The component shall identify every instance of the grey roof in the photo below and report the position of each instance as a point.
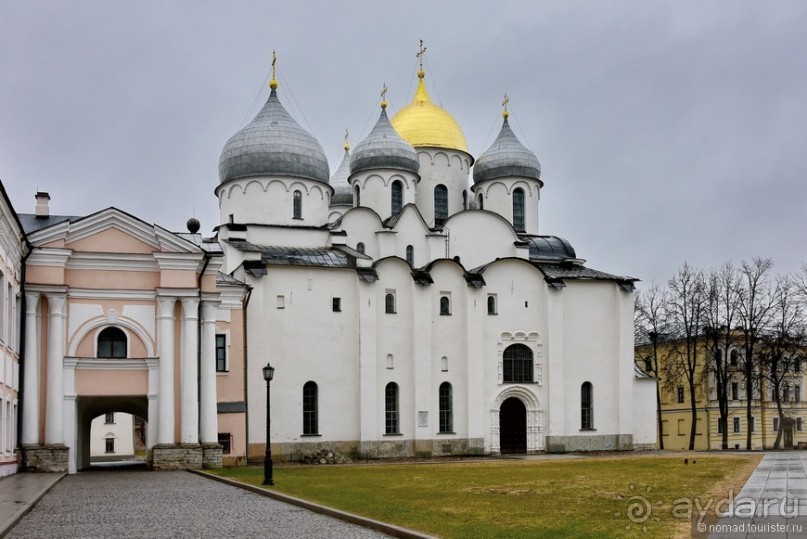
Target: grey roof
(31, 222)
(223, 278)
(342, 193)
(273, 143)
(542, 247)
(576, 271)
(208, 245)
(293, 256)
(506, 157)
(639, 373)
(384, 148)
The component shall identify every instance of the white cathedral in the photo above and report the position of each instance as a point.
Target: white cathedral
(408, 304)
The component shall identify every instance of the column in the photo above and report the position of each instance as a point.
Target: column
(165, 318)
(189, 427)
(30, 384)
(153, 402)
(54, 416)
(207, 406)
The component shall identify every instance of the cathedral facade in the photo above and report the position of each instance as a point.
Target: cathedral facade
(408, 304)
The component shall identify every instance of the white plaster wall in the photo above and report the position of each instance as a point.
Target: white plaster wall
(644, 412)
(121, 430)
(497, 196)
(269, 200)
(479, 237)
(361, 225)
(376, 189)
(442, 166)
(411, 230)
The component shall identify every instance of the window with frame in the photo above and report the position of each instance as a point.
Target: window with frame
(410, 255)
(298, 204)
(735, 391)
(736, 425)
(112, 343)
(753, 424)
(389, 303)
(648, 364)
(480, 205)
(797, 393)
(226, 442)
(392, 422)
(440, 204)
(680, 394)
(785, 393)
(109, 418)
(109, 445)
(357, 195)
(336, 304)
(492, 304)
(396, 194)
(517, 364)
(720, 425)
(445, 305)
(798, 424)
(775, 424)
(310, 408)
(586, 406)
(221, 353)
(446, 408)
(518, 210)
(360, 247)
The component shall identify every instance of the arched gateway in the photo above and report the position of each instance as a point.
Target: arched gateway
(517, 422)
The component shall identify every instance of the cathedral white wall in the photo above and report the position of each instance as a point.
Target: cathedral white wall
(478, 238)
(376, 189)
(361, 225)
(411, 230)
(270, 200)
(497, 196)
(446, 167)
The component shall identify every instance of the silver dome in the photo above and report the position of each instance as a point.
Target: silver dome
(342, 193)
(273, 144)
(506, 157)
(384, 148)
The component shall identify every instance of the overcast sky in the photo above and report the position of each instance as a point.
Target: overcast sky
(666, 131)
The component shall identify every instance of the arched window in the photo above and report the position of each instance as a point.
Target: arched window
(392, 422)
(480, 205)
(733, 358)
(445, 305)
(112, 343)
(310, 408)
(518, 209)
(440, 204)
(397, 196)
(410, 255)
(464, 199)
(586, 407)
(389, 303)
(357, 195)
(360, 247)
(446, 408)
(298, 205)
(517, 363)
(491, 304)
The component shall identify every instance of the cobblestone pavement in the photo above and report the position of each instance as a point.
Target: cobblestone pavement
(124, 504)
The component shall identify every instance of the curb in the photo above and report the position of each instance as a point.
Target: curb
(377, 525)
(6, 526)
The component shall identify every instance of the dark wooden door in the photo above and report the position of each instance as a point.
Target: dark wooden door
(513, 426)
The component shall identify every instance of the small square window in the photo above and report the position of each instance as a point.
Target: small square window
(445, 304)
(337, 305)
(225, 441)
(110, 445)
(281, 302)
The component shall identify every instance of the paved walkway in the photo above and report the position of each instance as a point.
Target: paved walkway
(124, 504)
(772, 504)
(19, 492)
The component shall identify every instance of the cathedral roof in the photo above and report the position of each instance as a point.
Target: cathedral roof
(384, 148)
(341, 188)
(273, 143)
(423, 123)
(506, 157)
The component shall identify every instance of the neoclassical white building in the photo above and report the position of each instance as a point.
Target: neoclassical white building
(409, 305)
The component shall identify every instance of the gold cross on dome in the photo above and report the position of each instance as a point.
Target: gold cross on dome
(420, 54)
(347, 142)
(506, 102)
(384, 96)
(273, 82)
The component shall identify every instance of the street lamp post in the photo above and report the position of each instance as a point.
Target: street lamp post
(268, 374)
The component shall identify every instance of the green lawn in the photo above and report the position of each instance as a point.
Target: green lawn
(547, 498)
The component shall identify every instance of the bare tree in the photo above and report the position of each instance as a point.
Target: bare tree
(651, 319)
(780, 343)
(755, 301)
(686, 304)
(720, 313)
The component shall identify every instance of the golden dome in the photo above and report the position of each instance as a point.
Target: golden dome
(422, 123)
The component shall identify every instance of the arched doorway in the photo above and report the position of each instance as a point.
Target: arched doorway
(513, 426)
(89, 408)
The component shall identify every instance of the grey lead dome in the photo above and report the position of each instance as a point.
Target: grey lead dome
(384, 148)
(273, 144)
(341, 188)
(506, 157)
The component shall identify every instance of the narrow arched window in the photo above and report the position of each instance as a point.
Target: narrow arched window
(112, 343)
(357, 195)
(518, 209)
(391, 419)
(446, 408)
(517, 364)
(440, 204)
(491, 304)
(397, 196)
(445, 305)
(733, 358)
(298, 205)
(310, 408)
(389, 303)
(360, 247)
(464, 199)
(410, 255)
(480, 205)
(586, 406)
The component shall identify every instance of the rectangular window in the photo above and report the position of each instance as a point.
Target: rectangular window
(281, 302)
(392, 425)
(2, 308)
(221, 353)
(681, 427)
(226, 442)
(11, 329)
(797, 394)
(719, 426)
(110, 445)
(446, 408)
(753, 424)
(798, 424)
(680, 394)
(18, 310)
(110, 418)
(735, 391)
(775, 424)
(336, 304)
(736, 425)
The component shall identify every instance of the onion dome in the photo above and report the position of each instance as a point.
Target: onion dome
(423, 123)
(341, 188)
(507, 157)
(384, 148)
(273, 143)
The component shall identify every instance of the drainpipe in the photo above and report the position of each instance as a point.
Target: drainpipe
(21, 344)
(199, 341)
(245, 350)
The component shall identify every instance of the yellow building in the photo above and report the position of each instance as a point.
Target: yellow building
(676, 411)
